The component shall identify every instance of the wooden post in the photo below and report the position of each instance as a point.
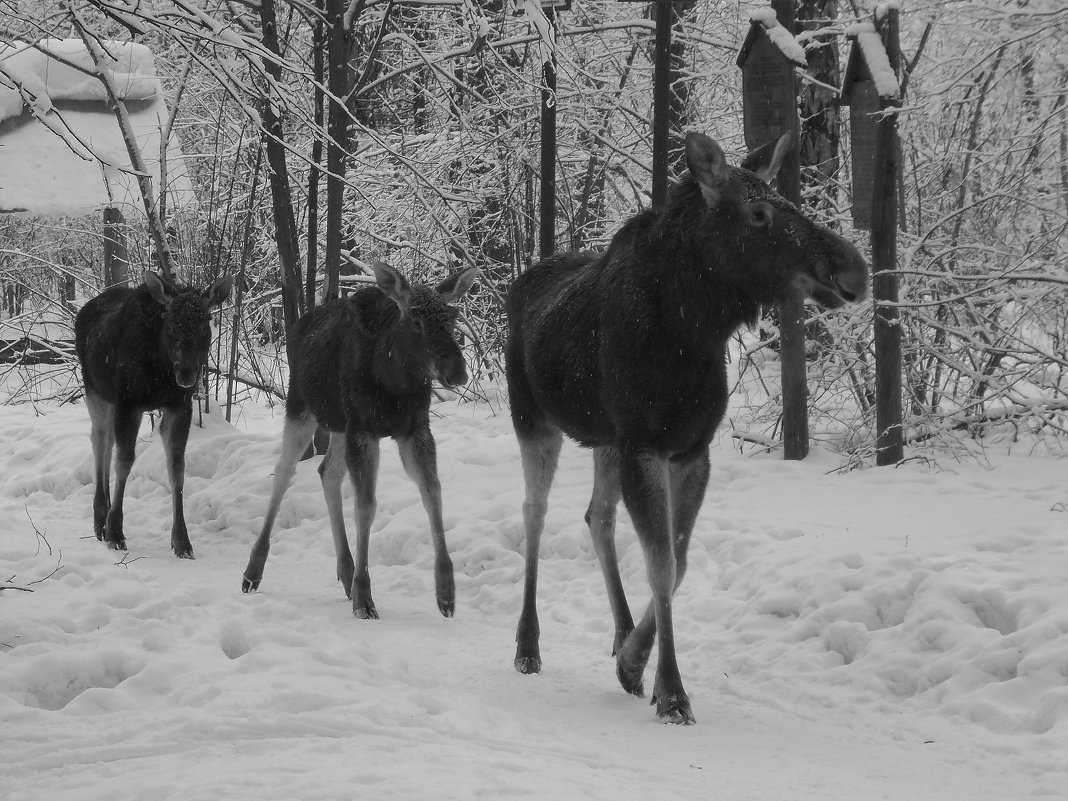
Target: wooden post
(769, 95)
(794, 369)
(890, 441)
(116, 257)
(661, 101)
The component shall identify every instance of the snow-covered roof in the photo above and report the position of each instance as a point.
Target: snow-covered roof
(870, 46)
(61, 150)
(766, 20)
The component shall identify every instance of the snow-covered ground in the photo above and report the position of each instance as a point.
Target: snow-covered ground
(876, 634)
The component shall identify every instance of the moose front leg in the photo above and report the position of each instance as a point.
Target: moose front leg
(688, 480)
(127, 423)
(418, 454)
(174, 431)
(361, 453)
(645, 479)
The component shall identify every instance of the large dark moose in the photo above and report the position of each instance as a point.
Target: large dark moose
(142, 349)
(362, 368)
(625, 352)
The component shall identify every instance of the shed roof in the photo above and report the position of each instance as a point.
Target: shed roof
(61, 151)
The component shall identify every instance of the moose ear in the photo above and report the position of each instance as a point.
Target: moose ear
(218, 291)
(766, 160)
(161, 290)
(456, 286)
(392, 283)
(707, 165)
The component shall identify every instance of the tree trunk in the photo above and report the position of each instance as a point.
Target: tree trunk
(820, 115)
(315, 173)
(339, 133)
(681, 86)
(285, 226)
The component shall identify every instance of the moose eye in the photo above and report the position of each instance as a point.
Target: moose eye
(761, 215)
(420, 326)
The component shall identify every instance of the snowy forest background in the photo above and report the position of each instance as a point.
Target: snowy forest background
(421, 148)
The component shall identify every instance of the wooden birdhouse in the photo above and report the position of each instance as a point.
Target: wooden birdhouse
(768, 57)
(868, 86)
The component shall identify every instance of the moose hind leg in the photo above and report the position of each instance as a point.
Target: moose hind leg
(174, 431)
(647, 495)
(601, 518)
(419, 456)
(540, 451)
(102, 436)
(297, 432)
(331, 471)
(361, 453)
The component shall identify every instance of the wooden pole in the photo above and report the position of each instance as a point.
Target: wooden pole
(116, 257)
(890, 441)
(794, 370)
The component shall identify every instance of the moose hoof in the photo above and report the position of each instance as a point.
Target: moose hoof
(447, 607)
(527, 664)
(630, 678)
(117, 545)
(365, 612)
(249, 585)
(673, 709)
(184, 553)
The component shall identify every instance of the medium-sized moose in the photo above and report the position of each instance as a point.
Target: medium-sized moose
(625, 352)
(362, 368)
(142, 349)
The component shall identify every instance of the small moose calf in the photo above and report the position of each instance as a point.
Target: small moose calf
(142, 349)
(362, 369)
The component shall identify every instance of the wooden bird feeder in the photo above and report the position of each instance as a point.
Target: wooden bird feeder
(769, 94)
(865, 100)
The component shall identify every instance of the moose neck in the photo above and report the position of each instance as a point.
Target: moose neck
(702, 300)
(394, 366)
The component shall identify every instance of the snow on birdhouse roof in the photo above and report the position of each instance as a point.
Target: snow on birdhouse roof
(869, 44)
(765, 20)
(61, 149)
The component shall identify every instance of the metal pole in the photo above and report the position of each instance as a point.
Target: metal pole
(547, 227)
(665, 14)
